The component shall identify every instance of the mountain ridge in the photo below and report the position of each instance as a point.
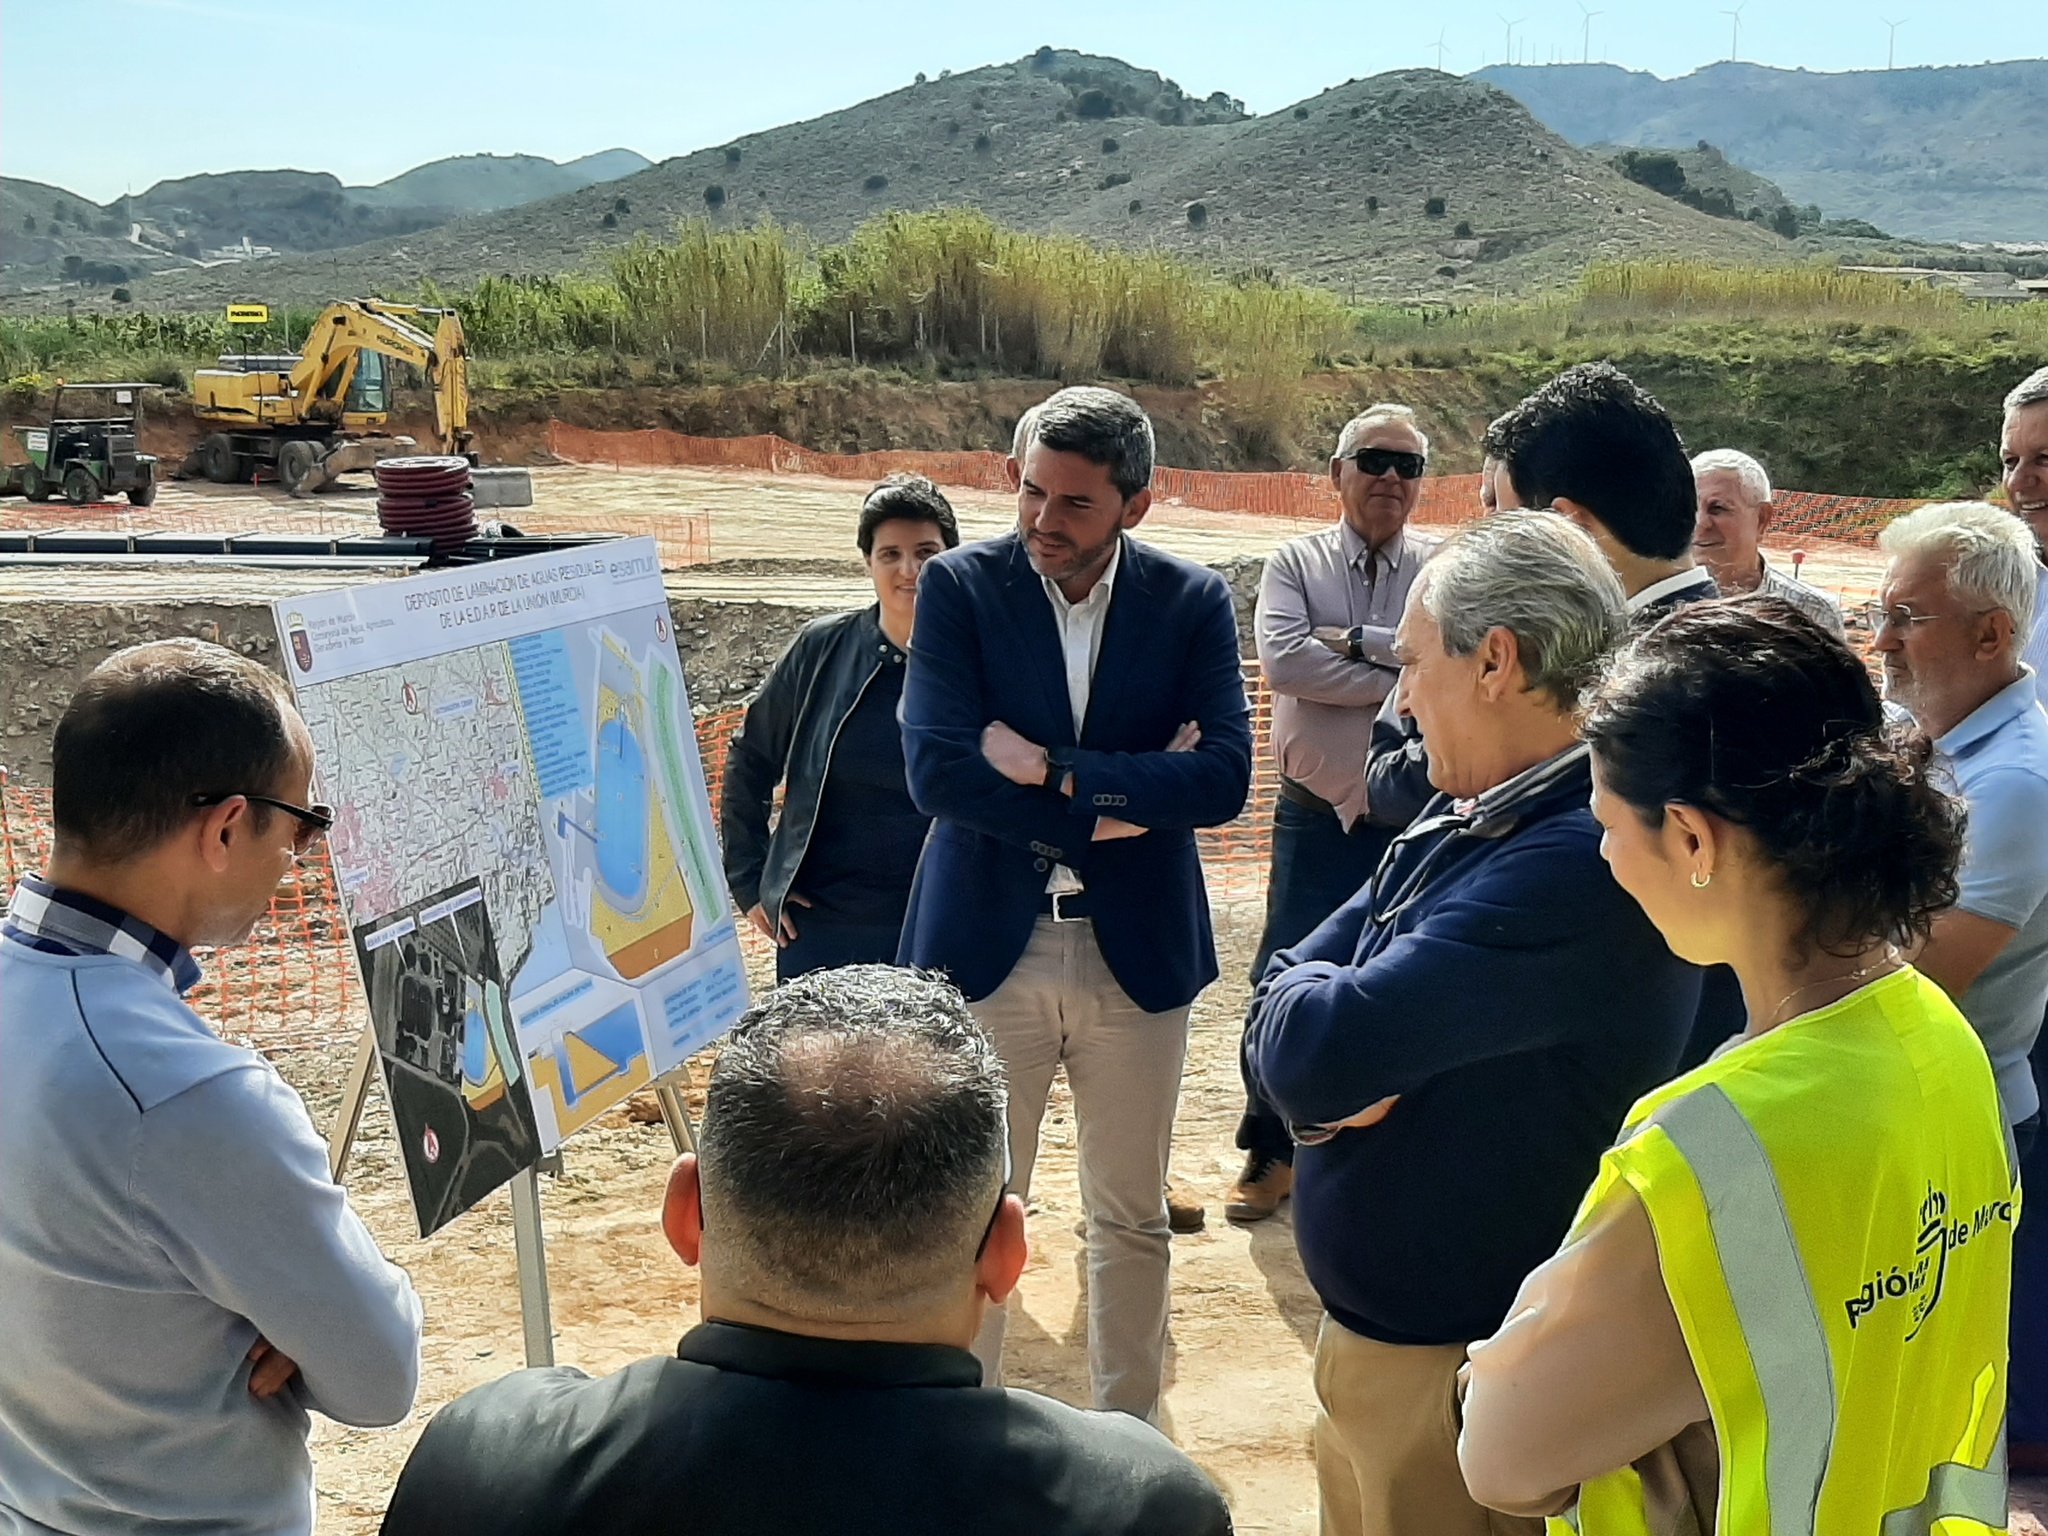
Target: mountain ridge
(1949, 152)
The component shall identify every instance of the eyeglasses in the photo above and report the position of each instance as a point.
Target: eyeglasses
(1377, 461)
(314, 820)
(1899, 616)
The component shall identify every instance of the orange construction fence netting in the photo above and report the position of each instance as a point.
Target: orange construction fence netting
(293, 985)
(1446, 499)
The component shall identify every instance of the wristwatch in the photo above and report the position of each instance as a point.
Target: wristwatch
(1354, 640)
(1059, 762)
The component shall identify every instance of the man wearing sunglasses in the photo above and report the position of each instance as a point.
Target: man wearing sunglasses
(181, 1282)
(1328, 604)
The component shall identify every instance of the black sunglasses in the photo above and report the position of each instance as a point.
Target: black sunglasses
(314, 820)
(1377, 461)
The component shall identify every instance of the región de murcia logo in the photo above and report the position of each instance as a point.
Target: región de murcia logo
(1919, 1282)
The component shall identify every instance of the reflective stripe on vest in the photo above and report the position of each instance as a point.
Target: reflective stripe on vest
(1760, 1261)
(1956, 1492)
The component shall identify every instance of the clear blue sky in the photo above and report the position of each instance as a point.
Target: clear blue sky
(106, 96)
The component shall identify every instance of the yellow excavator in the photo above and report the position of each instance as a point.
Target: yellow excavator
(320, 414)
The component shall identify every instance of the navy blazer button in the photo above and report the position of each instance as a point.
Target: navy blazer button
(1040, 865)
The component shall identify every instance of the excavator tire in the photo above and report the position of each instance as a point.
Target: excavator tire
(297, 463)
(217, 459)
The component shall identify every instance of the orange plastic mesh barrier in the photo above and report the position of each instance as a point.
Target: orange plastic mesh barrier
(1446, 499)
(293, 985)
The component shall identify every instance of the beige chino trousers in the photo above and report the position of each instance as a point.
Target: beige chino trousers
(1387, 1441)
(1061, 1005)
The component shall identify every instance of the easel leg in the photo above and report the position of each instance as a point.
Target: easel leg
(534, 1317)
(341, 1139)
(675, 1114)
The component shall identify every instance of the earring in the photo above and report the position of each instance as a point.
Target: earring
(1700, 882)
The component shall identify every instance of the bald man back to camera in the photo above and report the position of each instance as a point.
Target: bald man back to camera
(848, 1213)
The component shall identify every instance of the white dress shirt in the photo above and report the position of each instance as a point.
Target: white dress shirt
(1080, 626)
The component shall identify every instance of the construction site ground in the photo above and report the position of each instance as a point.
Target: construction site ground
(1238, 1397)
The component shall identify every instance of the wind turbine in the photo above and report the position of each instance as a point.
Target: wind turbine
(1586, 32)
(1509, 55)
(1735, 30)
(1438, 45)
(1891, 42)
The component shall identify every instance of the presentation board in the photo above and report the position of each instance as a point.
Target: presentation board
(509, 752)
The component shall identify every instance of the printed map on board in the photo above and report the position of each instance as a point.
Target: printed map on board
(546, 753)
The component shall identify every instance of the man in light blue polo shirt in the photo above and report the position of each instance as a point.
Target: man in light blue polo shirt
(180, 1280)
(1955, 609)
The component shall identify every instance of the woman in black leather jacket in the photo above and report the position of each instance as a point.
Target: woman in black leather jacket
(829, 878)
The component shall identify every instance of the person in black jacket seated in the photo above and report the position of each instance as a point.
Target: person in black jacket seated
(847, 1209)
(829, 880)
(1458, 1044)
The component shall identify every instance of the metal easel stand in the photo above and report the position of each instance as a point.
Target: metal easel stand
(528, 1243)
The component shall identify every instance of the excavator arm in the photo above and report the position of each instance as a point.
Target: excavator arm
(372, 325)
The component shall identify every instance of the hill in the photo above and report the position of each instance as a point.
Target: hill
(1407, 183)
(45, 230)
(1957, 153)
(485, 183)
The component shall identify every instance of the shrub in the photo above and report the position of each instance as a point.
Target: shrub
(1462, 230)
(983, 143)
(920, 78)
(1657, 171)
(1092, 105)
(876, 182)
(732, 154)
(29, 223)
(1198, 214)
(609, 221)
(1114, 179)
(620, 205)
(1044, 59)
(952, 126)
(1110, 146)
(1355, 111)
(1372, 204)
(1301, 114)
(1134, 206)
(121, 296)
(1447, 271)
(1433, 208)
(1785, 221)
(714, 196)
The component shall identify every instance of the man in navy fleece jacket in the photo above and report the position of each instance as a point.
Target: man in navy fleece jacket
(1455, 1047)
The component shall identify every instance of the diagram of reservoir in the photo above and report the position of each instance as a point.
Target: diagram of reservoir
(641, 912)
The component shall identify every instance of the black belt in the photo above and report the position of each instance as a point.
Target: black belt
(1305, 797)
(1067, 906)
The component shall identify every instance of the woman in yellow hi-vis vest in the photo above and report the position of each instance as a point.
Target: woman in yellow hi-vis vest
(1782, 1310)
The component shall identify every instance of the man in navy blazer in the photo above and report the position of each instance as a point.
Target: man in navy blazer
(1073, 710)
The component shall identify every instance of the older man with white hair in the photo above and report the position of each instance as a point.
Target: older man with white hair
(1456, 1046)
(1955, 609)
(1328, 604)
(1735, 511)
(2023, 456)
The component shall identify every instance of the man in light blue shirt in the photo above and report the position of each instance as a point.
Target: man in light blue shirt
(181, 1282)
(1956, 607)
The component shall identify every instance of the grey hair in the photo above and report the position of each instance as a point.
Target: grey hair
(1021, 438)
(1542, 580)
(2032, 390)
(853, 1146)
(1989, 554)
(1101, 426)
(1756, 480)
(1373, 416)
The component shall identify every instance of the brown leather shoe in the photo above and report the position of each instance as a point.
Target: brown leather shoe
(1257, 1194)
(1184, 1212)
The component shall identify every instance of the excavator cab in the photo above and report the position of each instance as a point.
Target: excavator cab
(367, 394)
